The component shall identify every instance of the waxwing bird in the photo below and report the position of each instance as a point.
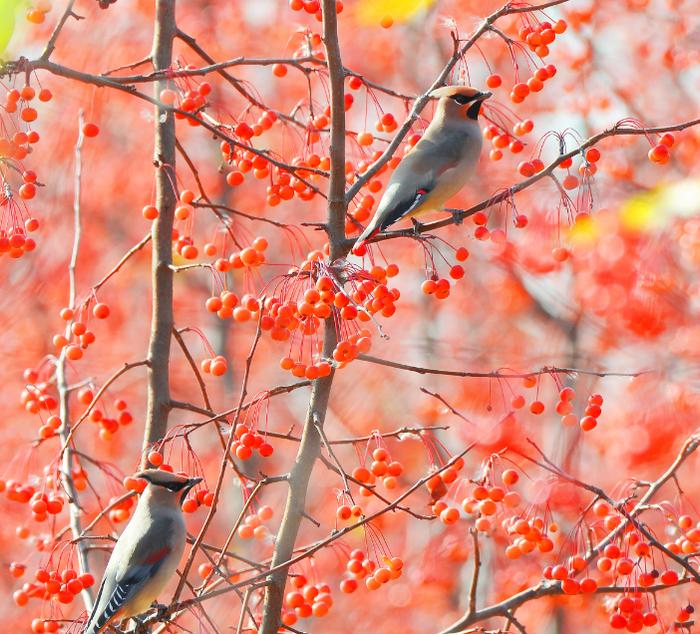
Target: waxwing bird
(146, 555)
(438, 166)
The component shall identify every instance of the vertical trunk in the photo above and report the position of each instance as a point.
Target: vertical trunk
(162, 274)
(310, 444)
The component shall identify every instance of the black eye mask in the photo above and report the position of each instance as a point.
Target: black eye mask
(175, 486)
(462, 99)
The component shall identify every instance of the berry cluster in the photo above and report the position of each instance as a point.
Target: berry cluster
(248, 257)
(382, 467)
(661, 152)
(541, 35)
(216, 366)
(440, 287)
(564, 406)
(283, 186)
(630, 614)
(501, 138)
(306, 600)
(483, 503)
(589, 420)
(190, 100)
(197, 498)
(35, 396)
(360, 567)
(78, 337)
(25, 493)
(43, 505)
(54, 585)
(346, 508)
(247, 439)
(437, 485)
(296, 310)
(313, 7)
(527, 535)
(16, 143)
(253, 527)
(109, 425)
(565, 574)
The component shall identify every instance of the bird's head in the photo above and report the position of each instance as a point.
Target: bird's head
(165, 485)
(459, 102)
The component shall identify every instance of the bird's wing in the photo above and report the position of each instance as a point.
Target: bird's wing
(121, 584)
(421, 174)
(416, 176)
(404, 207)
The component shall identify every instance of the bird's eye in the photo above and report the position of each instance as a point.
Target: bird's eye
(462, 99)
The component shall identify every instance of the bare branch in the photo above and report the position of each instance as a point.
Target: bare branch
(65, 431)
(496, 374)
(162, 320)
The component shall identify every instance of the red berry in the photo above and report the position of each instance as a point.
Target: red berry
(91, 129)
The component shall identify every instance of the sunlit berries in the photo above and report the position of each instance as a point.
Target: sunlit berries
(249, 440)
(253, 526)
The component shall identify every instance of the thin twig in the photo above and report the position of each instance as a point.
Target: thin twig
(137, 247)
(125, 368)
(224, 462)
(66, 429)
(475, 573)
(496, 374)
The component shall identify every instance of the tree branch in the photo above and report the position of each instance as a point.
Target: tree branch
(310, 446)
(164, 158)
(494, 374)
(74, 509)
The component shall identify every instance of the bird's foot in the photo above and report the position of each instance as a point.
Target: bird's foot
(417, 227)
(457, 215)
(140, 625)
(161, 611)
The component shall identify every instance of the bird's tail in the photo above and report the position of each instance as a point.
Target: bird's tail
(97, 626)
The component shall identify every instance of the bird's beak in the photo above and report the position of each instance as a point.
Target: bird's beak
(483, 95)
(193, 482)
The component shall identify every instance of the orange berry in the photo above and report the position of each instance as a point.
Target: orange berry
(155, 458)
(494, 81)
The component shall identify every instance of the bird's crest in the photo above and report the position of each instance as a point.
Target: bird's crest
(451, 91)
(166, 479)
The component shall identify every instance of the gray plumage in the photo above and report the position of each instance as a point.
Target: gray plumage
(146, 554)
(438, 166)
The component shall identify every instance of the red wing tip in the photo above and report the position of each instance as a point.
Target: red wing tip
(157, 555)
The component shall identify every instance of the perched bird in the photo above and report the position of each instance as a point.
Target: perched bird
(438, 166)
(146, 555)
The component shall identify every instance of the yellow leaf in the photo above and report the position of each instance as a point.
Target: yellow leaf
(654, 209)
(8, 8)
(638, 213)
(586, 229)
(372, 11)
